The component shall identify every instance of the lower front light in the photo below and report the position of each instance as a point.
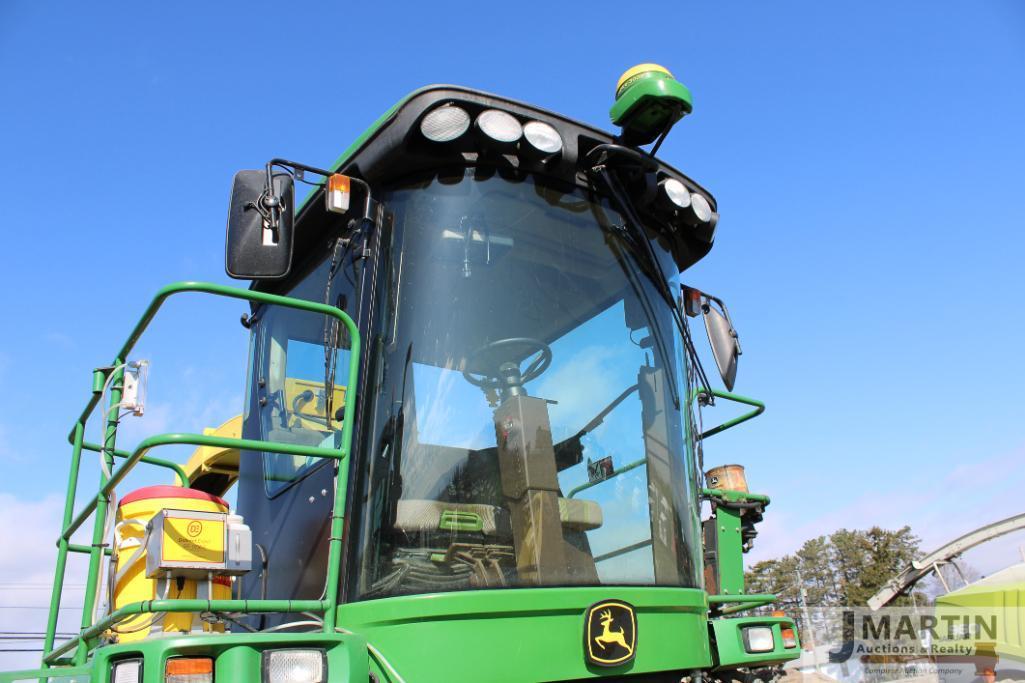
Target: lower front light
(294, 666)
(126, 671)
(189, 670)
(758, 639)
(789, 639)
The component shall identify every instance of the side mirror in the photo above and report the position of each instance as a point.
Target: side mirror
(723, 339)
(258, 245)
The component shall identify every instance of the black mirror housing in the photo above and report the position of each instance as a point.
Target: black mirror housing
(253, 249)
(725, 347)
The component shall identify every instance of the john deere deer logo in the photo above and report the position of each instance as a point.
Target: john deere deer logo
(610, 635)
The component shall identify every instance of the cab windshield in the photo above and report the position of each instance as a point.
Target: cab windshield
(524, 419)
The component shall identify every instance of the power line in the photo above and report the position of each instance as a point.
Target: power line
(41, 584)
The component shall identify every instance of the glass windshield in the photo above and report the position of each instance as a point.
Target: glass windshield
(526, 424)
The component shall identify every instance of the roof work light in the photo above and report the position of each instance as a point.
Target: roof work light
(445, 123)
(501, 127)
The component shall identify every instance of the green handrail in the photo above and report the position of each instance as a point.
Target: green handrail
(146, 444)
(62, 545)
(182, 606)
(736, 398)
(748, 601)
(97, 507)
(218, 290)
(66, 674)
(159, 462)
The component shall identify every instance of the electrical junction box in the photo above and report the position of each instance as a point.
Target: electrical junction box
(133, 393)
(195, 544)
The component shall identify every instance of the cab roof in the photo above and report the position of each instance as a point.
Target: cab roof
(393, 148)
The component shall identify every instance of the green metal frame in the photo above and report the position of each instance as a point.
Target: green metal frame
(98, 506)
(729, 550)
(729, 544)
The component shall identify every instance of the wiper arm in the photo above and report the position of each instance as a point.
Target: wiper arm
(642, 250)
(332, 331)
(600, 417)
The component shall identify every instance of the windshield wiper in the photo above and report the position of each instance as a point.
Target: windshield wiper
(632, 235)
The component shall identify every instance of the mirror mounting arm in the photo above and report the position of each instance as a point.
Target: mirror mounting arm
(297, 169)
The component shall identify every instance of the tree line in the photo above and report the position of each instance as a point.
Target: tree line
(843, 569)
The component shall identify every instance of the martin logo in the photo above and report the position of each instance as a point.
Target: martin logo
(610, 633)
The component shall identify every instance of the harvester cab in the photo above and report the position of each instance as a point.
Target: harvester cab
(469, 448)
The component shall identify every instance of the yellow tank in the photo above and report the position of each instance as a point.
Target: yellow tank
(132, 585)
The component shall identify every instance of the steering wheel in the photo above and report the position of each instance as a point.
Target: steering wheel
(491, 369)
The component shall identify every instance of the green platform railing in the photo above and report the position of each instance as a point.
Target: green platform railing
(745, 602)
(758, 406)
(97, 507)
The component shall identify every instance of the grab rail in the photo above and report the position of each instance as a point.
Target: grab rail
(746, 601)
(97, 507)
(759, 408)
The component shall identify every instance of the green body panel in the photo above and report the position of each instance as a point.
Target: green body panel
(526, 634)
(729, 642)
(993, 600)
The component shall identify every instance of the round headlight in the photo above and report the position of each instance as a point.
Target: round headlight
(445, 123)
(542, 137)
(701, 208)
(676, 192)
(499, 126)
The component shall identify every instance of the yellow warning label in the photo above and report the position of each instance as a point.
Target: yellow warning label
(198, 541)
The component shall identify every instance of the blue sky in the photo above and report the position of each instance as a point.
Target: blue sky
(867, 158)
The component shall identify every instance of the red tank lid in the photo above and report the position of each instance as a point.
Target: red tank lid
(170, 492)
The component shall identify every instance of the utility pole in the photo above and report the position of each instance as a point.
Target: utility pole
(803, 597)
